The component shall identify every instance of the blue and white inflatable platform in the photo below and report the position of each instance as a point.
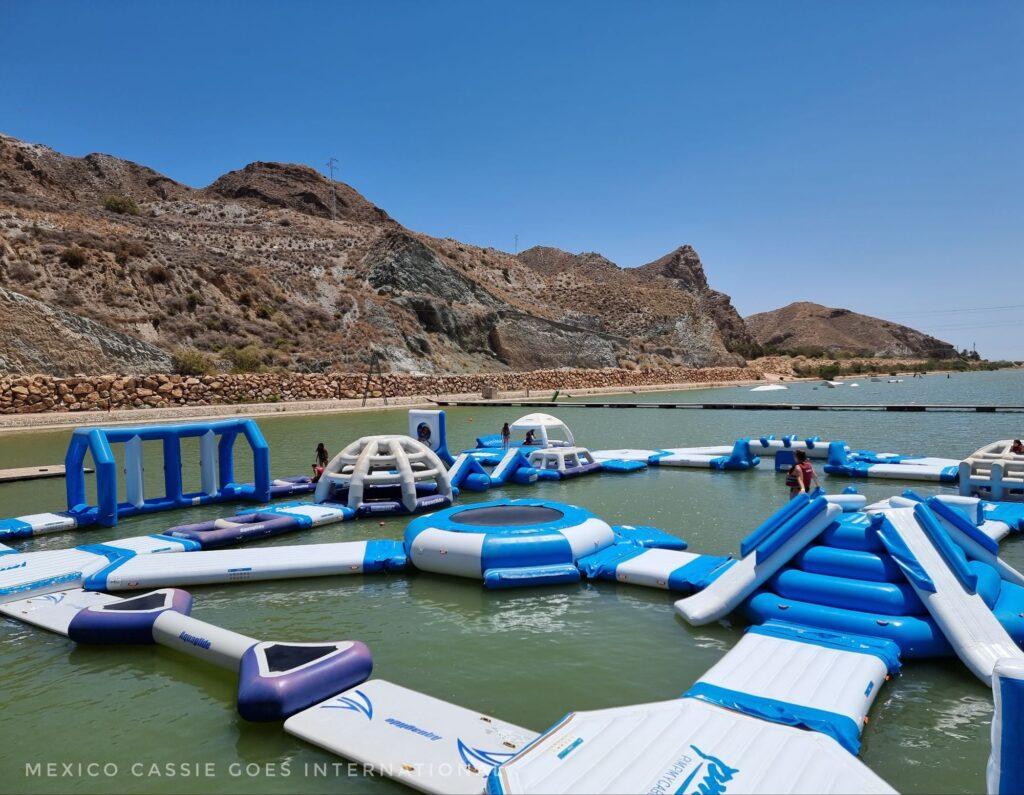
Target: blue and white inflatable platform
(421, 741)
(780, 713)
(869, 464)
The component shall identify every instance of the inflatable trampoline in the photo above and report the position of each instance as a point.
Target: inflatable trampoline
(507, 543)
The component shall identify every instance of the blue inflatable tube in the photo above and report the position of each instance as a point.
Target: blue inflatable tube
(886, 598)
(917, 636)
(852, 563)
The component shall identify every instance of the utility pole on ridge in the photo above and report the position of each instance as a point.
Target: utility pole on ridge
(334, 198)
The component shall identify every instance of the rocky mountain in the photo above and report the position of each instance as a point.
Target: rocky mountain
(253, 270)
(806, 327)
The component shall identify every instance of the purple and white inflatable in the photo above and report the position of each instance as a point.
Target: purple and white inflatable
(275, 679)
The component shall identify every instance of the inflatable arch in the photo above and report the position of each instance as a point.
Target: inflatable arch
(216, 466)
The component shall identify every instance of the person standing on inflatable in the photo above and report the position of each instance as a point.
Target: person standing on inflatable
(506, 435)
(801, 475)
(322, 459)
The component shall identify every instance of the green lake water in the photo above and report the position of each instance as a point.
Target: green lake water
(526, 656)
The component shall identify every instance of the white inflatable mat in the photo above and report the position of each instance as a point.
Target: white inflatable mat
(54, 611)
(783, 664)
(425, 743)
(623, 455)
(318, 514)
(684, 745)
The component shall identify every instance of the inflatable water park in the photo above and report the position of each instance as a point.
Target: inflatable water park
(826, 599)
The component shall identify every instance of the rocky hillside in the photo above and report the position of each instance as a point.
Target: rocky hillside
(36, 337)
(254, 271)
(804, 327)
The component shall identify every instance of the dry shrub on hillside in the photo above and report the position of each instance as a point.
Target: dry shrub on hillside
(189, 361)
(74, 257)
(123, 205)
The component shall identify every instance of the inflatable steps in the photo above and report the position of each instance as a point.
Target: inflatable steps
(762, 553)
(848, 581)
(468, 473)
(514, 467)
(779, 713)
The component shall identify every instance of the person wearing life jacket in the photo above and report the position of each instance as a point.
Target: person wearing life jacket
(801, 475)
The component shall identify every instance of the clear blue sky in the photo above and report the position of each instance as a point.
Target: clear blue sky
(859, 154)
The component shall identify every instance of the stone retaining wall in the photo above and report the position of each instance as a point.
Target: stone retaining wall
(41, 393)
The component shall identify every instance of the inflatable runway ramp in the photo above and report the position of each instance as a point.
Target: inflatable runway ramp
(780, 713)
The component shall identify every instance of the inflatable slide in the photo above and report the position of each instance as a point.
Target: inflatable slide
(938, 571)
(762, 553)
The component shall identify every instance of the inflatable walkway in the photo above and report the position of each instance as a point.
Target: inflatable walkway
(737, 457)
(249, 565)
(762, 553)
(29, 573)
(276, 679)
(780, 713)
(868, 464)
